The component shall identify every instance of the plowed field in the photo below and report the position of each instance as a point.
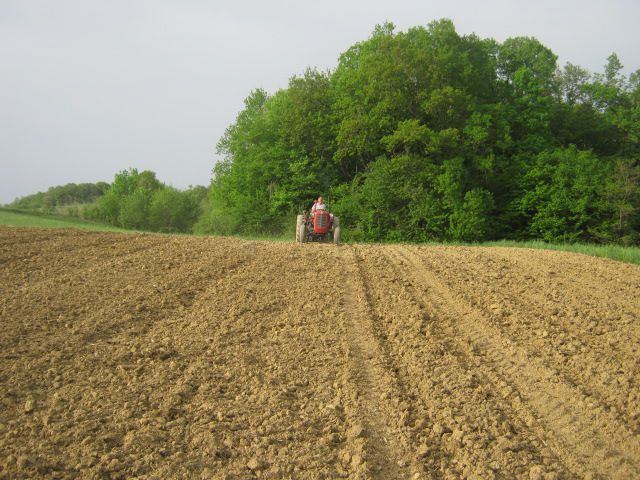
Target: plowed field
(147, 356)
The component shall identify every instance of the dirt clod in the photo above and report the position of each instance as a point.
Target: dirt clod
(255, 464)
(423, 451)
(356, 431)
(536, 473)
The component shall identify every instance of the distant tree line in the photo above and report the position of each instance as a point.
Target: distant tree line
(136, 200)
(428, 134)
(71, 194)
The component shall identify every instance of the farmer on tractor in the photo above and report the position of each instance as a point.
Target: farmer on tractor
(320, 206)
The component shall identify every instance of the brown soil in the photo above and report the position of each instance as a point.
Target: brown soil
(147, 356)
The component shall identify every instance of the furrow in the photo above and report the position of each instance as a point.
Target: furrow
(568, 328)
(596, 444)
(378, 394)
(482, 394)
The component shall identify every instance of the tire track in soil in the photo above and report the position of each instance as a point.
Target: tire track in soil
(541, 278)
(34, 236)
(374, 388)
(613, 294)
(585, 442)
(10, 258)
(221, 359)
(532, 304)
(120, 318)
(311, 436)
(618, 290)
(481, 415)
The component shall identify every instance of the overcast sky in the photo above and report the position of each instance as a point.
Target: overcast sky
(89, 87)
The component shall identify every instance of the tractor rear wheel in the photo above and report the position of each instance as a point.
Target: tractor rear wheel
(336, 235)
(302, 233)
(299, 221)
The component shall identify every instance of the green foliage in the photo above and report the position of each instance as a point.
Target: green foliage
(56, 198)
(134, 210)
(526, 54)
(565, 196)
(174, 211)
(431, 135)
(108, 208)
(138, 200)
(472, 222)
(623, 194)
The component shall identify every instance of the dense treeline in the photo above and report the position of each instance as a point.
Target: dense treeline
(138, 200)
(427, 134)
(69, 195)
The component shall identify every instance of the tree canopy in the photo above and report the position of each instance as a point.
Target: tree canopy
(429, 134)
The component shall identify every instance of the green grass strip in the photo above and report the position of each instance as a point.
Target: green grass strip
(19, 218)
(614, 252)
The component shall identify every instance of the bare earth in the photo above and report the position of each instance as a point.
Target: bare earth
(147, 356)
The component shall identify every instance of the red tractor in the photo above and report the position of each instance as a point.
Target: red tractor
(318, 226)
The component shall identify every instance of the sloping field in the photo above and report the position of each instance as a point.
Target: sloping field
(125, 356)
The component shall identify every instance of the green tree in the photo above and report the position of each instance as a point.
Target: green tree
(520, 54)
(473, 221)
(139, 200)
(134, 209)
(572, 82)
(623, 192)
(565, 196)
(168, 211)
